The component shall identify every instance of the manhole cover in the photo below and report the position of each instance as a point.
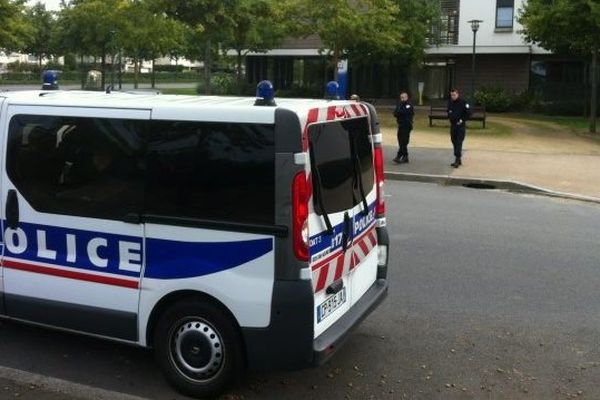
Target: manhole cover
(482, 186)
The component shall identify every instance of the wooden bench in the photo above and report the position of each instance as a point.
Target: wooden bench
(478, 113)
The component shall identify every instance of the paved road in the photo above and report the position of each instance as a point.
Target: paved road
(493, 295)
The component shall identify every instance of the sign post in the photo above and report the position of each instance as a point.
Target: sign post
(343, 79)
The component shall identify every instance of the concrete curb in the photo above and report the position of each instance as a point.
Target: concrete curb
(60, 386)
(508, 185)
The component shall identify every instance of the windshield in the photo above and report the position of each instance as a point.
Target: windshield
(336, 147)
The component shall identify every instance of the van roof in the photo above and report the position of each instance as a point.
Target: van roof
(207, 108)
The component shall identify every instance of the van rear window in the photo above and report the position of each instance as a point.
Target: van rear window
(341, 159)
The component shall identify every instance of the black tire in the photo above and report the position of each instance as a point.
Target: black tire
(198, 348)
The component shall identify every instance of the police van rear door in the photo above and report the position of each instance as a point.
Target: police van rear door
(73, 255)
(341, 221)
(2, 132)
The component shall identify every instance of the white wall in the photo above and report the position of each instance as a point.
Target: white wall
(487, 36)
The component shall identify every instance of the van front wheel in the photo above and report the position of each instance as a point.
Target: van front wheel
(198, 348)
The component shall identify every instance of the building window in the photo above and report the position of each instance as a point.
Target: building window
(505, 10)
(445, 30)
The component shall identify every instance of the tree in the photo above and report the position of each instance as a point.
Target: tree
(569, 26)
(14, 27)
(148, 35)
(402, 43)
(344, 25)
(257, 25)
(40, 42)
(91, 27)
(207, 20)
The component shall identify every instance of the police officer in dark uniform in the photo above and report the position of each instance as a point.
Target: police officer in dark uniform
(404, 114)
(459, 112)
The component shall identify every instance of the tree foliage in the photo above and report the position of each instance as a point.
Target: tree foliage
(90, 27)
(566, 26)
(40, 42)
(147, 35)
(208, 20)
(14, 29)
(367, 30)
(571, 26)
(256, 26)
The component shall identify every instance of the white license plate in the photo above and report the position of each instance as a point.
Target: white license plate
(330, 305)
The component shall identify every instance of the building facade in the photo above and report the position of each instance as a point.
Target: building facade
(503, 60)
(503, 57)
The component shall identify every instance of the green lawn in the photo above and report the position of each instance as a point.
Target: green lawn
(387, 120)
(576, 124)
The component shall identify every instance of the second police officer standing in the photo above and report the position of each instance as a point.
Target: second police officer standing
(459, 112)
(404, 114)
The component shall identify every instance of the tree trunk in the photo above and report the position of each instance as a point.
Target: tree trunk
(239, 71)
(207, 67)
(82, 71)
(594, 102)
(40, 61)
(136, 73)
(153, 76)
(336, 60)
(103, 68)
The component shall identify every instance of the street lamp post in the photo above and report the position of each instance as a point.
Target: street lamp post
(474, 27)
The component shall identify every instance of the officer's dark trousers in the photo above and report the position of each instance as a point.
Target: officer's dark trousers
(403, 141)
(457, 135)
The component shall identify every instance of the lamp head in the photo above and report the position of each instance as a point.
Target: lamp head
(475, 24)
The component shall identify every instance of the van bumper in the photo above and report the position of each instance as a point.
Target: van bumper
(288, 343)
(329, 341)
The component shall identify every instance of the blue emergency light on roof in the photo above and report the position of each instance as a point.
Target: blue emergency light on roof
(332, 90)
(49, 80)
(265, 94)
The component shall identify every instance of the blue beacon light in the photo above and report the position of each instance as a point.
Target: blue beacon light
(50, 80)
(265, 94)
(332, 90)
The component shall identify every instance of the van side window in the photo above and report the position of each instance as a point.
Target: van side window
(108, 168)
(87, 167)
(211, 171)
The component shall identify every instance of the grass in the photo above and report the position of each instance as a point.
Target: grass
(576, 124)
(387, 120)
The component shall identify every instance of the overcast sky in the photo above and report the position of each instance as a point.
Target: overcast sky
(50, 4)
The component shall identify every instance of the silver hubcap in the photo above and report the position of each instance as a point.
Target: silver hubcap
(197, 349)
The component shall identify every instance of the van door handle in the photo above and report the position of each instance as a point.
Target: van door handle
(132, 218)
(12, 209)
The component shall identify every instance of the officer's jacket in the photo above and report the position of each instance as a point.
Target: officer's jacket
(458, 109)
(404, 114)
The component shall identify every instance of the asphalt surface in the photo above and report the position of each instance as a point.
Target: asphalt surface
(492, 296)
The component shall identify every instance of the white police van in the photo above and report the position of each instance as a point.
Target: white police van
(222, 233)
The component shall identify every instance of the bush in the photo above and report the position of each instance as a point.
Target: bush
(308, 91)
(494, 99)
(168, 68)
(220, 84)
(23, 67)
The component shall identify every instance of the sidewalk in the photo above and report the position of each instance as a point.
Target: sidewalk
(545, 156)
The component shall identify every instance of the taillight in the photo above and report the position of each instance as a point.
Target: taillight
(379, 177)
(300, 197)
